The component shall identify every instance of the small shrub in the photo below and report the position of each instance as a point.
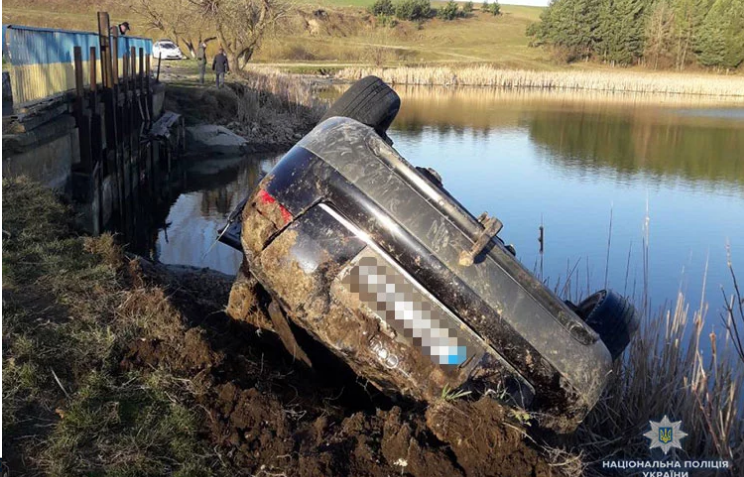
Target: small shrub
(387, 21)
(450, 11)
(467, 8)
(494, 8)
(413, 10)
(382, 8)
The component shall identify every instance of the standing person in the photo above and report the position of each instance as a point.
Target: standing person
(201, 58)
(220, 67)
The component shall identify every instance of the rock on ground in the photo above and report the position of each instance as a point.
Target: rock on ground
(217, 140)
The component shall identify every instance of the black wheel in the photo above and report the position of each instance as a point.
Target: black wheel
(613, 318)
(370, 101)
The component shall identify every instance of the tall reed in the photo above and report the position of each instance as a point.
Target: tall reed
(668, 370)
(614, 81)
(265, 93)
(667, 373)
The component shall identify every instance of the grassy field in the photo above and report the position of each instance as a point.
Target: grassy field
(480, 38)
(343, 34)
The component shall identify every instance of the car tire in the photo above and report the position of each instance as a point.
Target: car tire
(370, 101)
(613, 318)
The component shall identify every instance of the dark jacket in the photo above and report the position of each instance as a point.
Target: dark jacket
(219, 65)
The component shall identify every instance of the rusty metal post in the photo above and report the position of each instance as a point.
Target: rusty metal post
(124, 85)
(95, 125)
(133, 72)
(135, 113)
(115, 56)
(93, 69)
(104, 41)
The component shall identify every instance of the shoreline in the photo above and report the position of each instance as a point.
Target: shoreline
(665, 83)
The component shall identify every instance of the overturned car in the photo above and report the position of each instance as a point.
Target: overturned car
(374, 259)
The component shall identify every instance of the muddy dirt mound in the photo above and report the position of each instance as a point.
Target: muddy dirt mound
(268, 414)
(475, 429)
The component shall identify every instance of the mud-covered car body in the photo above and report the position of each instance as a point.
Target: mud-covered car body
(364, 252)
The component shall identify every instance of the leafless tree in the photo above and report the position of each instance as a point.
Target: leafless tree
(180, 20)
(241, 25)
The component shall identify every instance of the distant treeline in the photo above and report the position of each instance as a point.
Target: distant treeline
(657, 33)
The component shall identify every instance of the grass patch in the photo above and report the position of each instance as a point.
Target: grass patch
(449, 394)
(68, 407)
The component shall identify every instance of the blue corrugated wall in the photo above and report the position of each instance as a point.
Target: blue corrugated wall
(41, 59)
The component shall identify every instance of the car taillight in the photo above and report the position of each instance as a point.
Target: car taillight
(272, 209)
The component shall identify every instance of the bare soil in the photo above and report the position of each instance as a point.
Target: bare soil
(270, 415)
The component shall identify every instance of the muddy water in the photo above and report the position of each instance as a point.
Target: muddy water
(668, 173)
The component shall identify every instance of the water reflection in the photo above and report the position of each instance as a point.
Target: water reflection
(690, 137)
(208, 192)
(660, 145)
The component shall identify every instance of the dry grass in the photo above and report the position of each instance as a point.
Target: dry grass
(666, 372)
(264, 91)
(613, 81)
(270, 109)
(670, 368)
(69, 316)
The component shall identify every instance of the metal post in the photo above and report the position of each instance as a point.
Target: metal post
(134, 119)
(160, 58)
(104, 42)
(81, 119)
(109, 80)
(143, 94)
(148, 87)
(96, 141)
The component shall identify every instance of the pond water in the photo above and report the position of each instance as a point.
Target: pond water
(666, 174)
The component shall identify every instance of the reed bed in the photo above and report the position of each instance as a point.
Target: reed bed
(668, 370)
(473, 98)
(266, 92)
(667, 373)
(611, 81)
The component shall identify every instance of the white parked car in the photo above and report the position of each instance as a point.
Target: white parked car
(167, 49)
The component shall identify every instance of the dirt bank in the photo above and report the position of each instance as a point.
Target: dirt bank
(151, 377)
(267, 413)
(272, 111)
